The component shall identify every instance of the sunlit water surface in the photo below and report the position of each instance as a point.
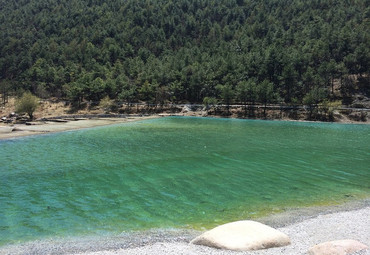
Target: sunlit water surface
(175, 173)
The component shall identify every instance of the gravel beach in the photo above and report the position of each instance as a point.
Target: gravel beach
(341, 225)
(306, 227)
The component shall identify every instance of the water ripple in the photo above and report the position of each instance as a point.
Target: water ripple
(175, 172)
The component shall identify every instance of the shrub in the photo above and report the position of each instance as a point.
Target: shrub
(27, 103)
(106, 104)
(209, 101)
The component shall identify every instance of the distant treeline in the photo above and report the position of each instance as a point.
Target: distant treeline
(286, 51)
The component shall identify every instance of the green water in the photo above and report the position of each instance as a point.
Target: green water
(175, 173)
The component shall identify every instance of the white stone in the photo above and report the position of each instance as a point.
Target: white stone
(4, 129)
(338, 247)
(242, 236)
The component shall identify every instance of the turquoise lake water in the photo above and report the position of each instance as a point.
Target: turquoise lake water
(175, 172)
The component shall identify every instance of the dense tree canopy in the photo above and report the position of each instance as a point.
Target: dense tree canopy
(183, 50)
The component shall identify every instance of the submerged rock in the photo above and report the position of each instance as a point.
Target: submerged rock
(242, 236)
(338, 247)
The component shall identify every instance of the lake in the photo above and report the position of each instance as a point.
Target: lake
(175, 172)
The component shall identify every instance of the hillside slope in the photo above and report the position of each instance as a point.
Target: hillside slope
(186, 50)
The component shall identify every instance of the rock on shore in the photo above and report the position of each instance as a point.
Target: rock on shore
(242, 236)
(338, 247)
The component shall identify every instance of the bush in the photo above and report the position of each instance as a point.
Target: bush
(209, 101)
(106, 104)
(27, 103)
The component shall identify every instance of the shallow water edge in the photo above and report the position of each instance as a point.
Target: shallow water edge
(134, 239)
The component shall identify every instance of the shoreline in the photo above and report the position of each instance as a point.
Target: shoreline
(48, 127)
(305, 226)
(55, 126)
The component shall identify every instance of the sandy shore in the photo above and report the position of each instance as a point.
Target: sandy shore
(305, 227)
(44, 127)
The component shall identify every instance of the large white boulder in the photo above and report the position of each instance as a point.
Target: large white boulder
(242, 236)
(5, 129)
(338, 247)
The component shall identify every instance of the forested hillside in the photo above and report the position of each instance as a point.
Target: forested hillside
(285, 51)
